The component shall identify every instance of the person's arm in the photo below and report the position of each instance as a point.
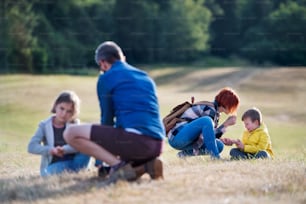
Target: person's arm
(105, 100)
(219, 131)
(35, 145)
(227, 141)
(67, 149)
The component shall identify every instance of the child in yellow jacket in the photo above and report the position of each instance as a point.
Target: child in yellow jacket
(256, 142)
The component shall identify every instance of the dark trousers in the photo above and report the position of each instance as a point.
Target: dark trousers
(236, 153)
(131, 147)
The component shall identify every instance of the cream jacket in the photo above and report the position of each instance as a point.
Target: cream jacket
(43, 141)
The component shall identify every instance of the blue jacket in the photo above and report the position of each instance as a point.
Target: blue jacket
(128, 99)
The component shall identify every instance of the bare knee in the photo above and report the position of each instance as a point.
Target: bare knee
(76, 131)
(67, 134)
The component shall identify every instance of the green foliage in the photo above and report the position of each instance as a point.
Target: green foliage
(20, 39)
(186, 30)
(280, 38)
(135, 29)
(226, 28)
(287, 23)
(161, 31)
(41, 36)
(40, 60)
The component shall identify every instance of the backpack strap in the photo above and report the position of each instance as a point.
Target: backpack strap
(207, 103)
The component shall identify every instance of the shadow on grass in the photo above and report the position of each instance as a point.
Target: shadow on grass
(35, 188)
(172, 77)
(208, 81)
(213, 83)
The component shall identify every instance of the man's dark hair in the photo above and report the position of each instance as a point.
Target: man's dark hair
(254, 114)
(108, 51)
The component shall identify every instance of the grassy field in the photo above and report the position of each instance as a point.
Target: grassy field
(280, 93)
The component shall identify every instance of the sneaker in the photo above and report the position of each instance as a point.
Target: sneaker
(125, 173)
(103, 171)
(154, 168)
(185, 153)
(192, 152)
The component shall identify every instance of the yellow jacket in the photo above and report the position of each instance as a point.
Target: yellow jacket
(257, 140)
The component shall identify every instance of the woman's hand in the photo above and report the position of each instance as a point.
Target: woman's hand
(227, 141)
(231, 120)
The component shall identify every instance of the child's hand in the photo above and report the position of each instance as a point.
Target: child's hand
(239, 144)
(60, 151)
(57, 151)
(227, 141)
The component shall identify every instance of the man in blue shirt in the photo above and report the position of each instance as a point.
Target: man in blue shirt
(130, 136)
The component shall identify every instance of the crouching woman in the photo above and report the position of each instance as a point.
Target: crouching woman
(199, 133)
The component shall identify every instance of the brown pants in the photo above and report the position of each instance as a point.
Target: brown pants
(129, 146)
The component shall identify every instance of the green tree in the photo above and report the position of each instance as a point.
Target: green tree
(3, 38)
(135, 30)
(20, 23)
(157, 31)
(56, 33)
(289, 31)
(225, 28)
(281, 37)
(185, 30)
(68, 31)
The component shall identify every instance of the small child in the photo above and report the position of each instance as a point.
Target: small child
(48, 141)
(256, 142)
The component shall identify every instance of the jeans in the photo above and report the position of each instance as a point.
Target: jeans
(188, 136)
(79, 161)
(201, 151)
(238, 154)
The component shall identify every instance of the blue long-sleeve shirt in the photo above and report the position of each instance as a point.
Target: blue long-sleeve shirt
(128, 99)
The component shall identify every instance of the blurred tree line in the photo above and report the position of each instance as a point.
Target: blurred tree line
(44, 35)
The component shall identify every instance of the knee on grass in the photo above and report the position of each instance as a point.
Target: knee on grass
(262, 155)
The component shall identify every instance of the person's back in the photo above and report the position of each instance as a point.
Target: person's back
(133, 98)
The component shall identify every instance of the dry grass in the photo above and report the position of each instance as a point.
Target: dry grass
(190, 181)
(279, 93)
